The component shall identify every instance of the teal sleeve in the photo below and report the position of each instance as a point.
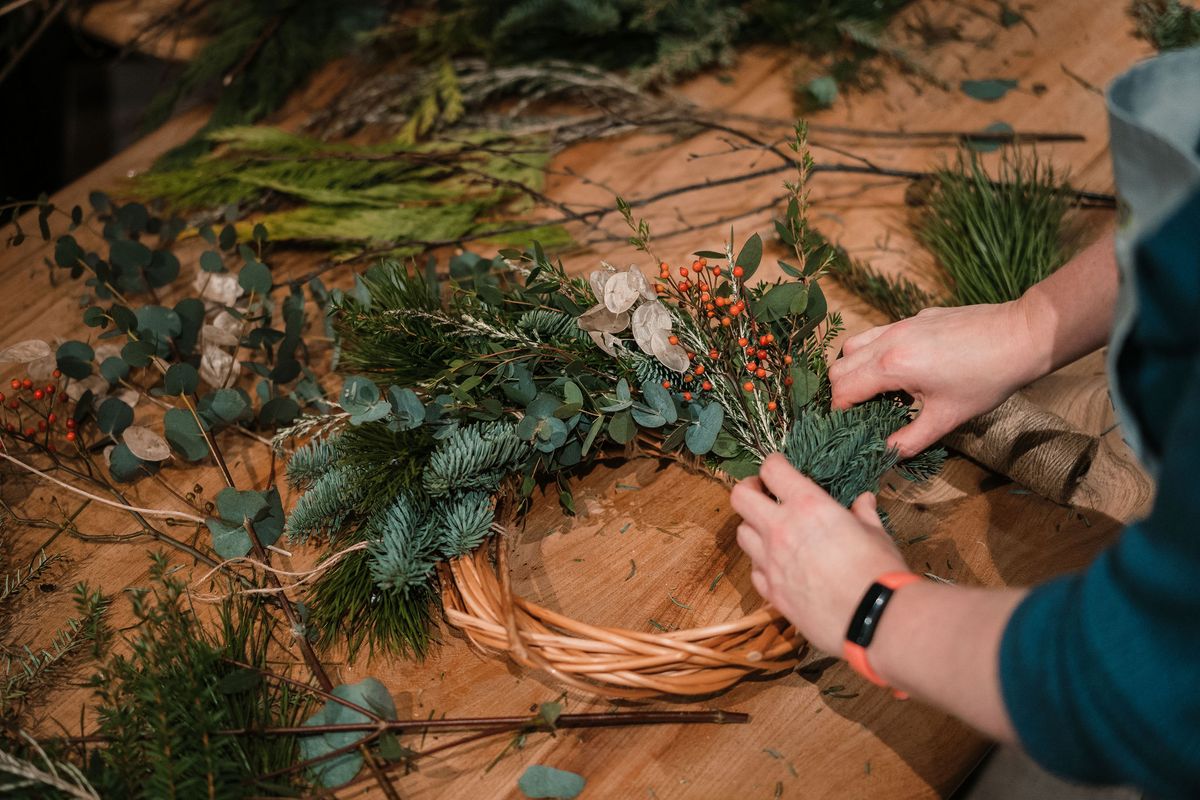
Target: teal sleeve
(1100, 671)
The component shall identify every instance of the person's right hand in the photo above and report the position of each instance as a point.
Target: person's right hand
(956, 363)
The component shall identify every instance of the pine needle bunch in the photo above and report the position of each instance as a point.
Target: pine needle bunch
(163, 704)
(463, 397)
(1166, 24)
(996, 237)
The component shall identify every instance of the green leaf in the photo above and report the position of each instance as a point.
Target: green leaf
(255, 277)
(622, 428)
(190, 311)
(360, 398)
(282, 411)
(333, 772)
(184, 434)
(541, 781)
(407, 408)
(114, 416)
(822, 91)
(708, 254)
(138, 354)
(592, 433)
(572, 395)
(163, 269)
(660, 400)
(67, 252)
(211, 261)
(647, 418)
(990, 145)
(750, 256)
(124, 465)
(94, 317)
(74, 358)
(804, 387)
(791, 270)
(264, 510)
(989, 90)
(114, 369)
(739, 468)
(228, 405)
(623, 390)
(549, 434)
(181, 379)
(781, 300)
(228, 237)
(128, 254)
(702, 434)
(519, 387)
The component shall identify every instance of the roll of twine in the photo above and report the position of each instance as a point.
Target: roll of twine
(1031, 446)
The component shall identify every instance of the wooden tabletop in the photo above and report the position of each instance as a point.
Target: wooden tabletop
(650, 540)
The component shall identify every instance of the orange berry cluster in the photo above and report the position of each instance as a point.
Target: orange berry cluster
(39, 401)
(694, 288)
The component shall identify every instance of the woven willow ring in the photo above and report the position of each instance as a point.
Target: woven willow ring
(612, 662)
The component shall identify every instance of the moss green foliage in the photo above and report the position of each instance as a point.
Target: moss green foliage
(407, 195)
(1167, 24)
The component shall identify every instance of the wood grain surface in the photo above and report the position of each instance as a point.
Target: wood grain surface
(650, 540)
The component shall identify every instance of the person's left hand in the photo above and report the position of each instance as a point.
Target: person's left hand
(813, 559)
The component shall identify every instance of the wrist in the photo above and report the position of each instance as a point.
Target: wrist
(1030, 324)
(867, 620)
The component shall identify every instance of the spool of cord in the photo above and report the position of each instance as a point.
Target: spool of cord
(1037, 449)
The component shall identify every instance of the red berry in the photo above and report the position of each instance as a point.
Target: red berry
(770, 338)
(71, 424)
(762, 353)
(38, 394)
(684, 286)
(699, 369)
(53, 418)
(666, 384)
(787, 359)
(737, 273)
(41, 424)
(683, 272)
(673, 339)
(771, 406)
(788, 381)
(16, 384)
(70, 436)
(14, 404)
(703, 262)
(762, 340)
(748, 386)
(706, 386)
(743, 341)
(697, 267)
(30, 432)
(760, 372)
(51, 388)
(57, 373)
(713, 354)
(27, 384)
(725, 321)
(687, 395)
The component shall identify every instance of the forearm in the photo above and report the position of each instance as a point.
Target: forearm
(941, 644)
(1070, 313)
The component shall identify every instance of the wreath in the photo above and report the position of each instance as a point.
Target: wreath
(461, 399)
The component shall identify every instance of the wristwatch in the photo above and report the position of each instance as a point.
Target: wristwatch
(866, 620)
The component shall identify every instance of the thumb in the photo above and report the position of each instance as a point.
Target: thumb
(929, 426)
(864, 507)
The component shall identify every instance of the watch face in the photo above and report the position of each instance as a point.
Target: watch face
(866, 617)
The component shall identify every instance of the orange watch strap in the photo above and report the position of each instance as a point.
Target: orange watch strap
(856, 654)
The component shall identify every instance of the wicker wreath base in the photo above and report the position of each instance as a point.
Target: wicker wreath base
(613, 662)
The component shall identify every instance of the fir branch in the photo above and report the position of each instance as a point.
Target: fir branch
(475, 457)
(325, 506)
(308, 463)
(896, 296)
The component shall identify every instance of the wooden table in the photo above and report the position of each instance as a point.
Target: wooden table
(819, 731)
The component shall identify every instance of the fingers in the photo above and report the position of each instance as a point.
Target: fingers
(858, 385)
(759, 581)
(787, 483)
(929, 426)
(866, 509)
(750, 542)
(861, 340)
(749, 500)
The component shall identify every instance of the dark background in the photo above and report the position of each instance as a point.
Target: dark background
(69, 104)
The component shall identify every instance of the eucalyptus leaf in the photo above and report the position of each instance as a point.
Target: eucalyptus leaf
(114, 416)
(539, 781)
(75, 359)
(181, 379)
(369, 694)
(184, 435)
(988, 90)
(660, 400)
(702, 434)
(622, 428)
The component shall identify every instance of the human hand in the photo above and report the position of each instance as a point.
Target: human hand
(813, 559)
(956, 362)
